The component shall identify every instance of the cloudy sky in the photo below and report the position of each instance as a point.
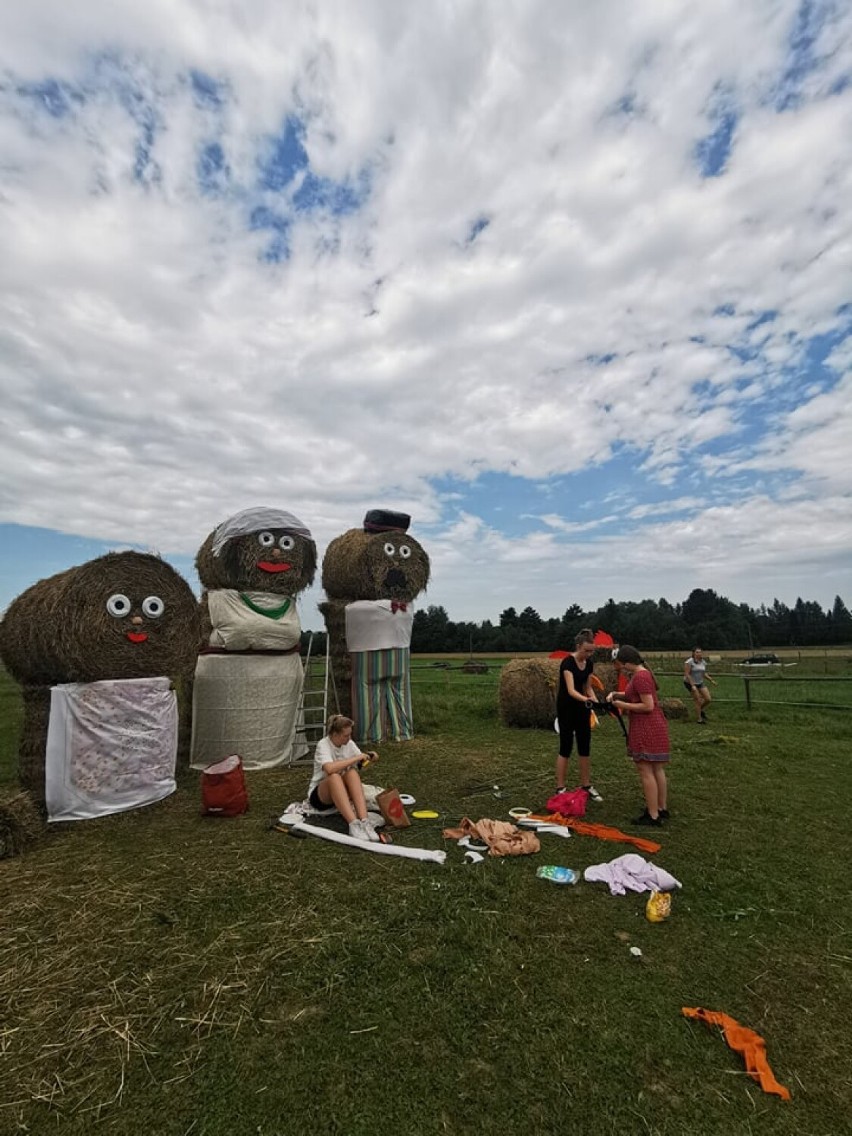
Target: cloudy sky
(571, 284)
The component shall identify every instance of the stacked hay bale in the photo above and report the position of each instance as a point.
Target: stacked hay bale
(126, 615)
(371, 576)
(249, 677)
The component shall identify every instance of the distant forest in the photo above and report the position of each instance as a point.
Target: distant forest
(704, 619)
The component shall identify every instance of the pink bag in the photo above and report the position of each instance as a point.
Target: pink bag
(571, 803)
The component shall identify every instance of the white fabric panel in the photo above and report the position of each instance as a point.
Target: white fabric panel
(111, 746)
(373, 625)
(246, 704)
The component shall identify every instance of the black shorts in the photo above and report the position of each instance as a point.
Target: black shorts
(579, 728)
(315, 801)
(692, 686)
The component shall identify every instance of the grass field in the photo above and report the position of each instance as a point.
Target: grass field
(164, 974)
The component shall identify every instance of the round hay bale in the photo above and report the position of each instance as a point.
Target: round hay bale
(361, 565)
(673, 708)
(473, 667)
(21, 824)
(123, 615)
(527, 693)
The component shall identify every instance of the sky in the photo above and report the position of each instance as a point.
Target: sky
(570, 284)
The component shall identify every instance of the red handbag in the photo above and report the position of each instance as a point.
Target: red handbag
(223, 788)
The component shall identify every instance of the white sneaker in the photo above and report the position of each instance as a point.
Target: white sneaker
(593, 793)
(375, 820)
(360, 830)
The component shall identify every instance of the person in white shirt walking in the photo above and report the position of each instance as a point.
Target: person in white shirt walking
(695, 679)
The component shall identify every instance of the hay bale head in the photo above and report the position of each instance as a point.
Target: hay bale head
(527, 693)
(123, 615)
(259, 550)
(380, 561)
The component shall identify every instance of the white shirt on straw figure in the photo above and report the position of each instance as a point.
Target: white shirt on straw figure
(249, 676)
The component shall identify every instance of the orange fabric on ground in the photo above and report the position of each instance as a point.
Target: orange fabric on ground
(601, 831)
(745, 1041)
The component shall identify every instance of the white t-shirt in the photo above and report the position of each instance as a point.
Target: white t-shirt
(696, 670)
(376, 625)
(326, 752)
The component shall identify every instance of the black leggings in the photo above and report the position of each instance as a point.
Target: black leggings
(581, 728)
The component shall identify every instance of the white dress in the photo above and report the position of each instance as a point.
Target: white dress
(248, 703)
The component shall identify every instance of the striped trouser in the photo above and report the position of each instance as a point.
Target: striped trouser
(381, 695)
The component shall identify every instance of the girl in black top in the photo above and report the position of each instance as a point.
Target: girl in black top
(573, 715)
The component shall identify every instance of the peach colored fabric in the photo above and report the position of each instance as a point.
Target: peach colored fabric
(745, 1041)
(601, 831)
(502, 838)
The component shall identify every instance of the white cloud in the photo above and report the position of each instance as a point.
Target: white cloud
(157, 374)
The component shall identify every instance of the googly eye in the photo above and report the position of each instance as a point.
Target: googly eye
(153, 606)
(266, 539)
(404, 551)
(118, 605)
(389, 549)
(614, 653)
(287, 542)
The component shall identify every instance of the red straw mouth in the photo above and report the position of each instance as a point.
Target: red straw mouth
(273, 566)
(137, 636)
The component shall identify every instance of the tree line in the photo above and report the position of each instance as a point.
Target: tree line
(703, 619)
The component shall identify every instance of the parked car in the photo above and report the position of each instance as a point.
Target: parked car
(768, 660)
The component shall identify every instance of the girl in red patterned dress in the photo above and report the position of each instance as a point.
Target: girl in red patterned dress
(648, 735)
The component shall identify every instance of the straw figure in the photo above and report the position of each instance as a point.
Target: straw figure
(126, 615)
(249, 676)
(371, 576)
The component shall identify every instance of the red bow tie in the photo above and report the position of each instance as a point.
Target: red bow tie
(397, 605)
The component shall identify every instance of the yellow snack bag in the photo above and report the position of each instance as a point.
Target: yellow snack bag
(658, 907)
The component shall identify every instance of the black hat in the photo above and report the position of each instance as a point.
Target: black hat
(386, 520)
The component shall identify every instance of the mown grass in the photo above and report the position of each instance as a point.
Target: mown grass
(163, 973)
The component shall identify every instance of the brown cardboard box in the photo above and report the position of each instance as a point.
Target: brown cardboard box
(392, 808)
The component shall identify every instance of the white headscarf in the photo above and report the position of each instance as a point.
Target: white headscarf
(256, 520)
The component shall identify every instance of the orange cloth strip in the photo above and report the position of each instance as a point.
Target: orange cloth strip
(601, 831)
(745, 1041)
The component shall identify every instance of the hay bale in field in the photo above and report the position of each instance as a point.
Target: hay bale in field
(126, 615)
(123, 615)
(474, 667)
(526, 695)
(248, 679)
(673, 708)
(21, 824)
(371, 576)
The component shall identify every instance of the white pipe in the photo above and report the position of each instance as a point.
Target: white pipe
(436, 857)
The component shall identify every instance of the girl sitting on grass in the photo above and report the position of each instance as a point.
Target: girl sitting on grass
(336, 781)
(647, 735)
